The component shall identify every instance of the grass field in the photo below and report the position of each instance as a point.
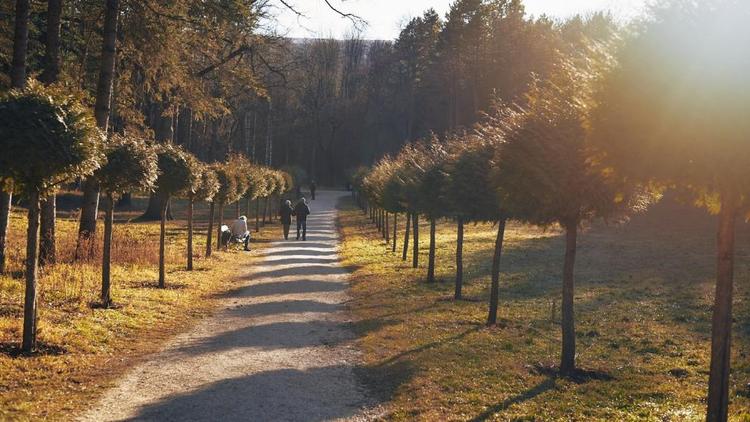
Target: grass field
(643, 307)
(82, 349)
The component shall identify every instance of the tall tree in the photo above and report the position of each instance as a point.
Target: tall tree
(90, 208)
(18, 81)
(50, 75)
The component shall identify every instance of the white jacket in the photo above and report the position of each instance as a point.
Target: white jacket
(239, 228)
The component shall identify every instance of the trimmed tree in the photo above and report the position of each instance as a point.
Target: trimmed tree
(131, 165)
(673, 112)
(47, 138)
(549, 176)
(429, 198)
(226, 194)
(423, 182)
(203, 186)
(174, 178)
(256, 189)
(470, 195)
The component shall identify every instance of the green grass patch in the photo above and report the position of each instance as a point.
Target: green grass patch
(643, 308)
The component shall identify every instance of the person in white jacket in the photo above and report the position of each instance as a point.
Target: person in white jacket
(239, 231)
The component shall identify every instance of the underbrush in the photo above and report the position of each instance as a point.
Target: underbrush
(643, 315)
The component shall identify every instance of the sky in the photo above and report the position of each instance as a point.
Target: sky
(386, 17)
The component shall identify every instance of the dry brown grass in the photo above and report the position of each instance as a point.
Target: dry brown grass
(82, 348)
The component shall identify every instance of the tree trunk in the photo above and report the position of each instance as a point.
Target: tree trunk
(248, 206)
(5, 206)
(257, 215)
(87, 225)
(459, 259)
(162, 241)
(211, 217)
(18, 80)
(495, 287)
(218, 226)
(395, 224)
(265, 210)
(126, 200)
(153, 210)
(387, 228)
(107, 250)
(52, 46)
(20, 44)
(32, 270)
(237, 209)
(406, 237)
(431, 259)
(415, 246)
(47, 250)
(87, 222)
(190, 235)
(721, 330)
(107, 71)
(568, 356)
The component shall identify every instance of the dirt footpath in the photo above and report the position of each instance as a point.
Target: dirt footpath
(279, 349)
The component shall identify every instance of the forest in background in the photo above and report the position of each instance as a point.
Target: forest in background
(230, 85)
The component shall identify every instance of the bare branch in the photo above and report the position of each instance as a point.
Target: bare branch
(357, 21)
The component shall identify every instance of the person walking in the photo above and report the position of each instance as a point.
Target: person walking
(313, 187)
(301, 211)
(285, 213)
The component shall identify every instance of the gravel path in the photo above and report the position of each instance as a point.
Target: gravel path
(279, 349)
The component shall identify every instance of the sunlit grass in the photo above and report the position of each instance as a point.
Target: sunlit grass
(643, 300)
(83, 348)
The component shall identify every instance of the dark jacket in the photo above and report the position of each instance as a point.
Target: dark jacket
(301, 211)
(285, 212)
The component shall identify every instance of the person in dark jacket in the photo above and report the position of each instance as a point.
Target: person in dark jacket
(302, 210)
(313, 187)
(285, 212)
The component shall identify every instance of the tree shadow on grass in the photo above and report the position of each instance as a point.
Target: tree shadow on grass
(13, 350)
(150, 284)
(529, 394)
(580, 376)
(431, 345)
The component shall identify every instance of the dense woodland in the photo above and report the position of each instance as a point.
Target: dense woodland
(482, 115)
(227, 84)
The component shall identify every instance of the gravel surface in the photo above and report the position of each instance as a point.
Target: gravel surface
(279, 349)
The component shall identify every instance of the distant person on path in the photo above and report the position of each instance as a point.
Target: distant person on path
(285, 212)
(299, 192)
(313, 187)
(302, 210)
(240, 231)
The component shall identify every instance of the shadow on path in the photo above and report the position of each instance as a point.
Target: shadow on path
(258, 397)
